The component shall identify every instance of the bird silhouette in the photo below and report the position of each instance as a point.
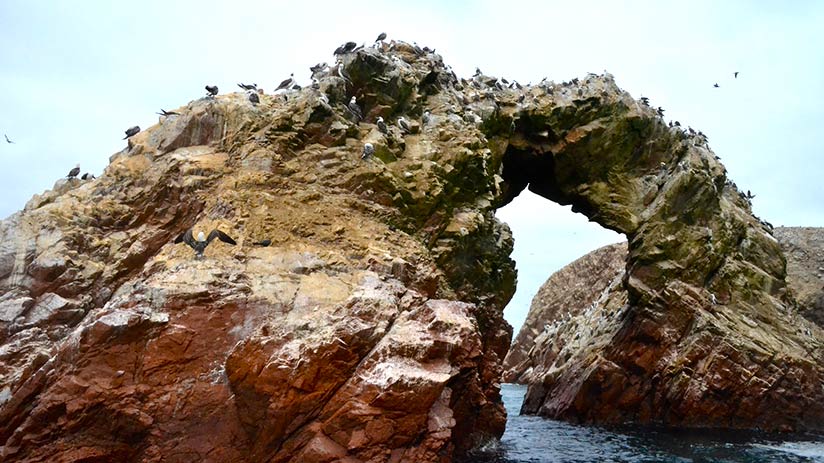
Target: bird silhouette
(7, 139)
(716, 85)
(199, 244)
(735, 74)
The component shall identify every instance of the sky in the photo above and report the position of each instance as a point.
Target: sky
(75, 75)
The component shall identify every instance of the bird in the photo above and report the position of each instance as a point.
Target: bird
(716, 85)
(403, 125)
(353, 106)
(381, 36)
(368, 150)
(132, 131)
(750, 195)
(163, 112)
(7, 139)
(644, 100)
(425, 117)
(73, 173)
(318, 67)
(252, 87)
(346, 48)
(87, 176)
(735, 74)
(254, 98)
(381, 125)
(263, 243)
(287, 82)
(211, 90)
(199, 244)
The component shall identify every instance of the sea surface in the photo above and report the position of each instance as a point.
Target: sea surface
(539, 440)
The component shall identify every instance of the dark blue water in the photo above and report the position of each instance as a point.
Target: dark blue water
(539, 440)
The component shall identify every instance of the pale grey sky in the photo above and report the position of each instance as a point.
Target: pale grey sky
(75, 75)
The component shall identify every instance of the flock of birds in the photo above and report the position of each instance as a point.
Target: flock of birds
(253, 92)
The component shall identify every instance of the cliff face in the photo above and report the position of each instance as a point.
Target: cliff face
(371, 328)
(582, 299)
(566, 294)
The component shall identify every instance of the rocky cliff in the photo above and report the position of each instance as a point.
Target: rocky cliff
(578, 291)
(371, 329)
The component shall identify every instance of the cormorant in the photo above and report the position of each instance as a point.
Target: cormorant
(199, 244)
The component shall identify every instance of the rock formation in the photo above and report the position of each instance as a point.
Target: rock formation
(578, 290)
(566, 294)
(371, 329)
(804, 249)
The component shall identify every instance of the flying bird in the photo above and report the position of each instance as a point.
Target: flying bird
(252, 87)
(163, 112)
(750, 195)
(7, 139)
(368, 150)
(212, 90)
(356, 110)
(381, 36)
(382, 128)
(716, 85)
(287, 82)
(254, 98)
(199, 244)
(132, 131)
(73, 173)
(735, 74)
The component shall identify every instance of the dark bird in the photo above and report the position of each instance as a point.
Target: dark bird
(356, 110)
(132, 131)
(318, 68)
(263, 243)
(403, 125)
(199, 244)
(87, 176)
(254, 98)
(287, 82)
(477, 72)
(735, 74)
(7, 138)
(381, 125)
(211, 90)
(660, 111)
(381, 36)
(368, 151)
(252, 87)
(644, 100)
(750, 195)
(345, 48)
(716, 85)
(163, 112)
(73, 173)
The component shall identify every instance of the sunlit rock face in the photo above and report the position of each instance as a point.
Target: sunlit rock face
(371, 328)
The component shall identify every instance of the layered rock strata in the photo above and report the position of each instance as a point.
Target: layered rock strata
(371, 329)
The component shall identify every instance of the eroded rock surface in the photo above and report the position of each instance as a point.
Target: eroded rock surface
(371, 329)
(804, 249)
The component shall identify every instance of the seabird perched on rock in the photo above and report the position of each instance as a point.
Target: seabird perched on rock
(263, 243)
(716, 85)
(73, 173)
(7, 139)
(199, 244)
(353, 106)
(211, 90)
(132, 131)
(318, 67)
(368, 150)
(252, 87)
(253, 97)
(87, 176)
(425, 117)
(644, 100)
(381, 125)
(381, 36)
(403, 125)
(163, 112)
(287, 82)
(345, 48)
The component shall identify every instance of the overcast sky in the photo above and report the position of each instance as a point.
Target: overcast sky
(74, 75)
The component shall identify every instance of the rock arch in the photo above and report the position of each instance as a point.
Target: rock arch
(372, 328)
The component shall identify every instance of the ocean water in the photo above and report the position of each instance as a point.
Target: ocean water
(540, 440)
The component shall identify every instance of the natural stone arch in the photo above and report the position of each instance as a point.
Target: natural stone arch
(698, 260)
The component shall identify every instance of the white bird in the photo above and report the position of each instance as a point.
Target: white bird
(403, 125)
(368, 150)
